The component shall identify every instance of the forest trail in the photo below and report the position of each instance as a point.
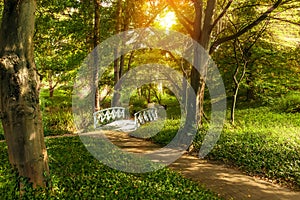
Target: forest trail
(227, 182)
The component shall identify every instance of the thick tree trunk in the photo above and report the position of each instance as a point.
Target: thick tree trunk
(19, 96)
(201, 33)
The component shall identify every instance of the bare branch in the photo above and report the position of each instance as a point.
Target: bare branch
(285, 20)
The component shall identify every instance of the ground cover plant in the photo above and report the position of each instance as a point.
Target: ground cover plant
(264, 141)
(75, 174)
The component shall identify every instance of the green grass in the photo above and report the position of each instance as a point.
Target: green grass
(75, 174)
(264, 141)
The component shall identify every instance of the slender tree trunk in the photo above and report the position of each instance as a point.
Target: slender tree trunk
(116, 96)
(52, 85)
(95, 44)
(237, 82)
(51, 88)
(117, 60)
(19, 95)
(234, 98)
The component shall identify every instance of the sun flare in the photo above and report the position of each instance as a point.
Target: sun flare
(167, 20)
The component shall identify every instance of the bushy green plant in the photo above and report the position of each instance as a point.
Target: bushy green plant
(58, 123)
(137, 103)
(53, 104)
(289, 103)
(172, 106)
(57, 114)
(167, 133)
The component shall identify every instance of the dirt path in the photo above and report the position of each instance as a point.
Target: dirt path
(227, 182)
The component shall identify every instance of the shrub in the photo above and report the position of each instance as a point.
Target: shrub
(290, 103)
(58, 123)
(137, 103)
(57, 114)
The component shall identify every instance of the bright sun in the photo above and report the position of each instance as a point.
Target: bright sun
(167, 20)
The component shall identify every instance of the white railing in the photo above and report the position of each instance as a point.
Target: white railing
(108, 115)
(146, 115)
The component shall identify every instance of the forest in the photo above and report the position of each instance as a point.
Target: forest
(44, 46)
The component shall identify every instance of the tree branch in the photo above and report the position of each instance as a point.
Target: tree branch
(155, 15)
(221, 15)
(285, 20)
(245, 29)
(182, 19)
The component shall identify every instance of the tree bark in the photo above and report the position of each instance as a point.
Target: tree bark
(96, 41)
(117, 52)
(237, 81)
(19, 95)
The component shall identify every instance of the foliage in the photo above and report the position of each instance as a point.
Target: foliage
(137, 103)
(60, 43)
(57, 113)
(58, 123)
(167, 133)
(172, 106)
(75, 174)
(289, 103)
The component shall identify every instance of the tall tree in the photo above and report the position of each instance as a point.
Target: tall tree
(207, 17)
(96, 39)
(19, 95)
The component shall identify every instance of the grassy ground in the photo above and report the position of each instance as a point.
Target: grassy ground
(75, 174)
(263, 141)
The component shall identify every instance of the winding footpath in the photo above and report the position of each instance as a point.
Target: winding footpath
(226, 182)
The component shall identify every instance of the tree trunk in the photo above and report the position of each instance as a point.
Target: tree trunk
(237, 80)
(51, 88)
(201, 33)
(95, 44)
(19, 95)
(117, 60)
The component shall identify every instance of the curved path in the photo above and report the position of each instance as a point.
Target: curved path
(226, 182)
